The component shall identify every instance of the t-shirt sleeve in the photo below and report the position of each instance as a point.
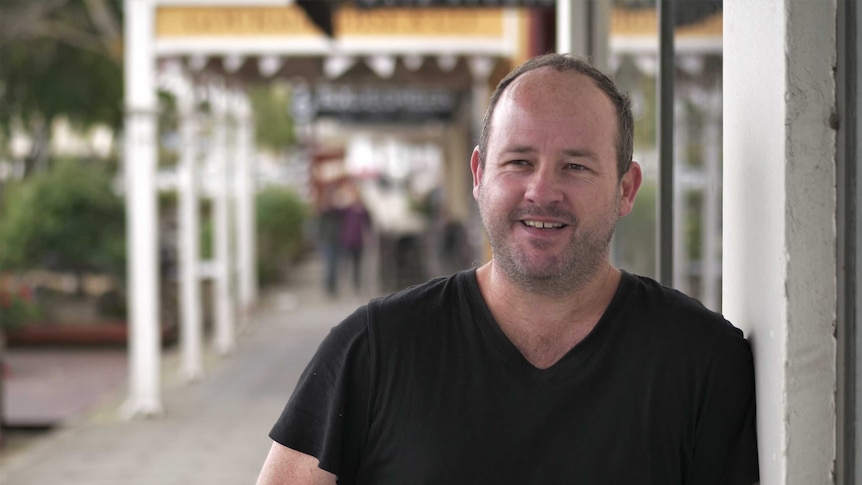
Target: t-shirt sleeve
(326, 416)
(725, 446)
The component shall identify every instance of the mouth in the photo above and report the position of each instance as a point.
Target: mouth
(543, 225)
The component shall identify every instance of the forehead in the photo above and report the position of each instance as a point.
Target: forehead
(547, 99)
(545, 79)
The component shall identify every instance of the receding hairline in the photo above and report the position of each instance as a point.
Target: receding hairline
(510, 89)
(510, 93)
(565, 63)
(567, 74)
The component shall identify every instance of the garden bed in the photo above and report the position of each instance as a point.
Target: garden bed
(107, 334)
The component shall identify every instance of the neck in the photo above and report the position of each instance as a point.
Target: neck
(543, 326)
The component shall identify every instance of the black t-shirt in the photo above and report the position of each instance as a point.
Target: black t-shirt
(422, 387)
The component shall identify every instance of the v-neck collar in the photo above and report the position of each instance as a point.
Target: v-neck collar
(593, 345)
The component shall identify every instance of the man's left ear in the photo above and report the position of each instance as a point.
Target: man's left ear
(477, 170)
(629, 186)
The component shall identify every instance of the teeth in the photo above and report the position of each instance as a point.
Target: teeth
(543, 225)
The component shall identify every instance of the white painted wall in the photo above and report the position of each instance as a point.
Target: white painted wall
(779, 224)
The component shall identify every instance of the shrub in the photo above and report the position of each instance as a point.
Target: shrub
(65, 219)
(280, 219)
(17, 307)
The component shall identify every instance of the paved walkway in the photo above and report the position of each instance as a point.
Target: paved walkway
(47, 386)
(214, 431)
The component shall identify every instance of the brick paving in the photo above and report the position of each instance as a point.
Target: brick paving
(214, 431)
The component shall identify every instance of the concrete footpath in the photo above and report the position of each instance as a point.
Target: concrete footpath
(214, 431)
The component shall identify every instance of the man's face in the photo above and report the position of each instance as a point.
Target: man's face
(549, 193)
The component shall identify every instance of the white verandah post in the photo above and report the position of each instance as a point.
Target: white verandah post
(245, 207)
(225, 334)
(191, 322)
(139, 157)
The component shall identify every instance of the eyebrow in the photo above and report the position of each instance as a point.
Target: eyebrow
(574, 153)
(569, 152)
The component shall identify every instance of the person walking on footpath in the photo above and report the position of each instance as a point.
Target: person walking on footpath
(329, 224)
(355, 224)
(547, 365)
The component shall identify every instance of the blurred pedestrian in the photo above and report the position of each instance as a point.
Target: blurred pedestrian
(547, 365)
(329, 221)
(355, 224)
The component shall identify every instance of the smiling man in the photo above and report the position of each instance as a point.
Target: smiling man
(547, 365)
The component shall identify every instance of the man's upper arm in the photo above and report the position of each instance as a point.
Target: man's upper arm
(284, 465)
(725, 448)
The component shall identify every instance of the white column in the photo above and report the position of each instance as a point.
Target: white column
(600, 43)
(139, 157)
(779, 225)
(224, 308)
(245, 210)
(191, 322)
(583, 28)
(573, 27)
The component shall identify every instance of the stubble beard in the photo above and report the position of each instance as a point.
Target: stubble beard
(586, 254)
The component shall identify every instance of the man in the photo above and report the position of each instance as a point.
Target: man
(546, 365)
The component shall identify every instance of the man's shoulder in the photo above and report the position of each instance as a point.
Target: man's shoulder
(420, 305)
(674, 310)
(419, 297)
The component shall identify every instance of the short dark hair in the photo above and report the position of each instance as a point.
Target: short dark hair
(566, 62)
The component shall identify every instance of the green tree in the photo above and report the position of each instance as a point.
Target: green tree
(59, 58)
(273, 121)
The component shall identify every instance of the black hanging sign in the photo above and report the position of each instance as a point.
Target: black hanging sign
(376, 103)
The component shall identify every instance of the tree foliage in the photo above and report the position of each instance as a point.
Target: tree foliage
(273, 120)
(59, 57)
(66, 218)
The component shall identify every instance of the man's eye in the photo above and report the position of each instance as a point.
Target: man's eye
(575, 166)
(519, 162)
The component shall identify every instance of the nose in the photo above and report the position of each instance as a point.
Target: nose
(544, 187)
